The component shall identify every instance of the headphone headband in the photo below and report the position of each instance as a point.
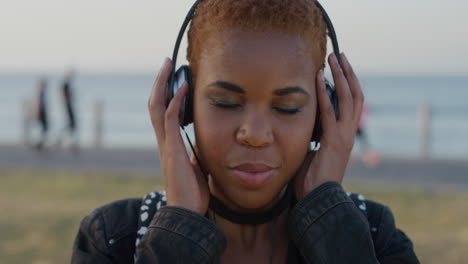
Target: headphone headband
(331, 31)
(191, 13)
(182, 30)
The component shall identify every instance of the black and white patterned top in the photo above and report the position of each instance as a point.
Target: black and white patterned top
(149, 206)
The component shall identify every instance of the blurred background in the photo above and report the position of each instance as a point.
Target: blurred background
(75, 134)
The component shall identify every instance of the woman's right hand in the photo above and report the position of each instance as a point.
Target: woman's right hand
(185, 184)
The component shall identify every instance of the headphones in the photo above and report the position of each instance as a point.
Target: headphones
(183, 74)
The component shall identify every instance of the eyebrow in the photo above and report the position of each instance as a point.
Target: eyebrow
(236, 89)
(228, 86)
(290, 90)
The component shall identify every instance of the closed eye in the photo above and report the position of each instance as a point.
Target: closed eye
(226, 105)
(234, 106)
(289, 111)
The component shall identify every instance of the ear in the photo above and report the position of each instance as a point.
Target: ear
(317, 133)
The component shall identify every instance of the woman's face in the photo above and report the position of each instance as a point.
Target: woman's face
(254, 111)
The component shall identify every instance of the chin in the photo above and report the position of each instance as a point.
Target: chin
(258, 200)
(246, 198)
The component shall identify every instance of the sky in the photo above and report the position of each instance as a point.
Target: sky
(397, 36)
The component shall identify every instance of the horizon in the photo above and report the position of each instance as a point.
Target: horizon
(110, 72)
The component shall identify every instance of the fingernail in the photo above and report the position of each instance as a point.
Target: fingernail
(166, 61)
(322, 75)
(164, 65)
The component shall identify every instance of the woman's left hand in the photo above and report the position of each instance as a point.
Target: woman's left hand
(330, 161)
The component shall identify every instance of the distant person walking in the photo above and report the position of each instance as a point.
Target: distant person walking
(369, 156)
(40, 115)
(70, 130)
(361, 134)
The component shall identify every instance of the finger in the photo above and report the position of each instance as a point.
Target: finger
(171, 118)
(193, 157)
(354, 86)
(345, 99)
(302, 173)
(157, 99)
(327, 112)
(306, 164)
(197, 167)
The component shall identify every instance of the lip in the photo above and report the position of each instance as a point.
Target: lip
(253, 167)
(253, 174)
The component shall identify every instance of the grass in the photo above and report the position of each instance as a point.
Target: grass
(436, 221)
(41, 211)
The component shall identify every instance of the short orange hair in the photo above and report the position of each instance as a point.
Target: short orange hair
(290, 16)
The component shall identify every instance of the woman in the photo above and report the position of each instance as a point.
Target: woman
(254, 192)
(40, 114)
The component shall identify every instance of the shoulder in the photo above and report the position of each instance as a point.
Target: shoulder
(390, 242)
(113, 229)
(108, 232)
(375, 212)
(125, 215)
(111, 222)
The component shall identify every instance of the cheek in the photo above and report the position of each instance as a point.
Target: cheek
(293, 135)
(297, 129)
(293, 138)
(214, 132)
(211, 122)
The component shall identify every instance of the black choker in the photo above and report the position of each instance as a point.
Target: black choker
(252, 218)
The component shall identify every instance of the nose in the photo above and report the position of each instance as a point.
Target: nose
(255, 131)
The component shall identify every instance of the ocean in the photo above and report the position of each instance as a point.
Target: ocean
(392, 129)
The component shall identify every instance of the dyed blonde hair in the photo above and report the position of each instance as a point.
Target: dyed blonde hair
(301, 17)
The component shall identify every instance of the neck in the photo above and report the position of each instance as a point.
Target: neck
(265, 243)
(250, 237)
(261, 215)
(254, 243)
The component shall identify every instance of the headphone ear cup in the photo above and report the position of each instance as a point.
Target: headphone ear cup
(181, 76)
(188, 102)
(317, 133)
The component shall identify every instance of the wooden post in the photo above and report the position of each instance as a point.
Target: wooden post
(98, 124)
(425, 136)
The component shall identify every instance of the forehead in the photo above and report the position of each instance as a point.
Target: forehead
(234, 42)
(251, 43)
(272, 56)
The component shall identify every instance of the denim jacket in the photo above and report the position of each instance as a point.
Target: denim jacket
(327, 226)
